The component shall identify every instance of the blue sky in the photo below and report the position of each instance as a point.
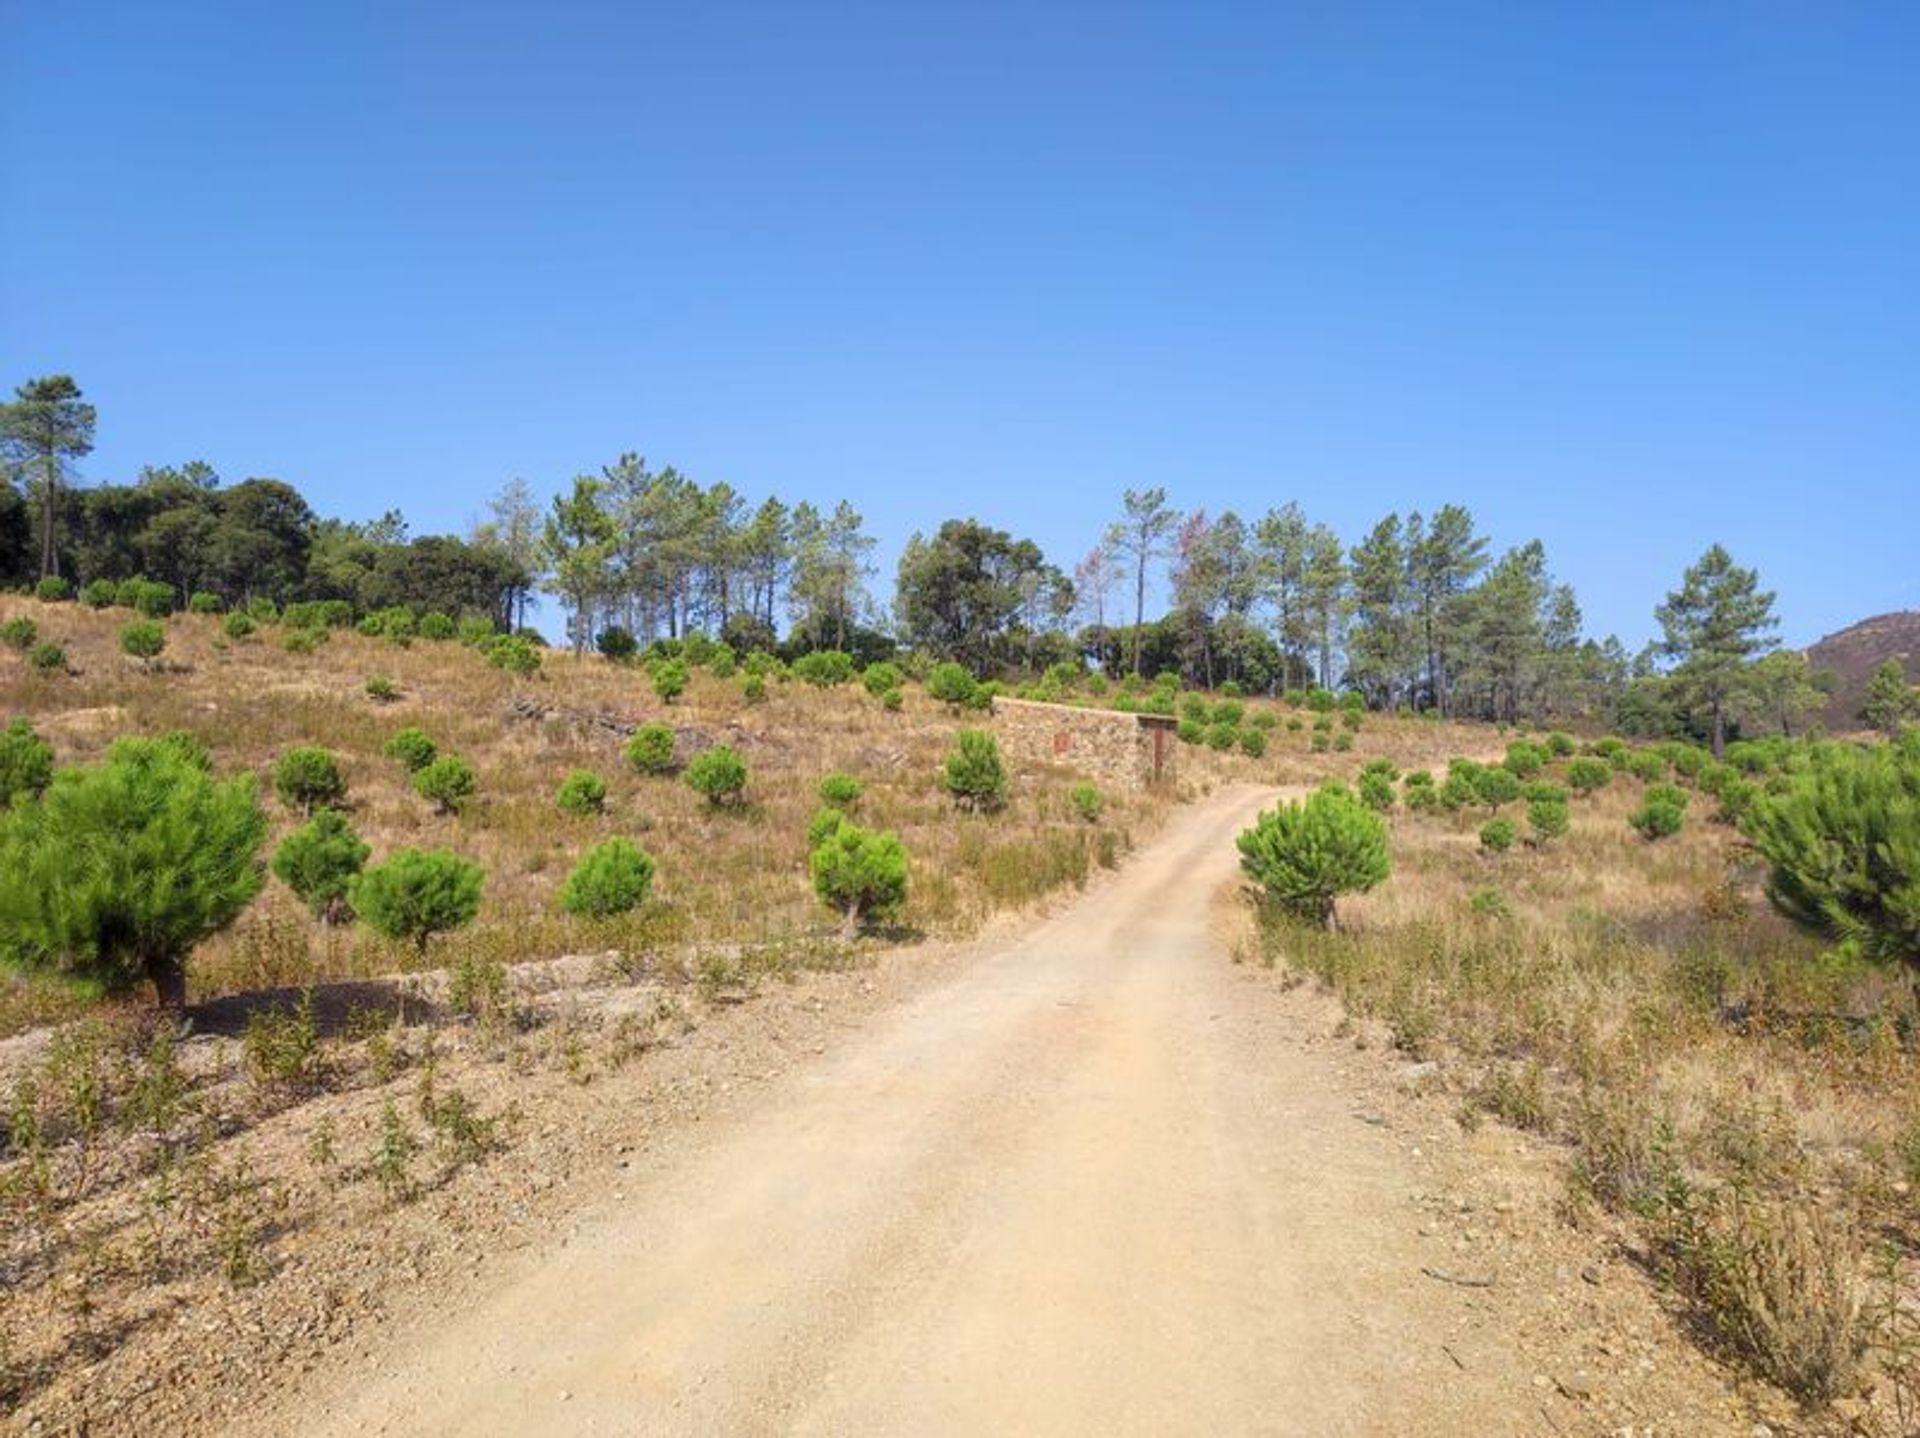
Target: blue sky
(1628, 278)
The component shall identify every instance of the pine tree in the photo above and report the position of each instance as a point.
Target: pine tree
(1714, 625)
(1891, 700)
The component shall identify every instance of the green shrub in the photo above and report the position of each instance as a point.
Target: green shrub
(262, 610)
(1196, 708)
(319, 862)
(718, 775)
(302, 641)
(26, 762)
(1656, 819)
(1191, 731)
(1668, 794)
(1524, 760)
(473, 630)
(1587, 775)
(754, 689)
(861, 874)
(144, 596)
(1222, 737)
(1842, 842)
(307, 778)
(1376, 790)
(416, 894)
(823, 823)
(893, 701)
(100, 594)
(125, 865)
(1647, 765)
(1547, 815)
(1253, 743)
(412, 748)
(582, 792)
(52, 590)
(202, 602)
(237, 625)
(724, 662)
(953, 686)
(1351, 720)
(1321, 701)
(1264, 720)
(1559, 745)
(617, 644)
(1086, 802)
(19, 633)
(143, 639)
(46, 657)
(842, 791)
(1305, 854)
(514, 654)
(650, 750)
(1497, 835)
(1342, 742)
(1495, 785)
(611, 878)
(438, 627)
(448, 781)
(381, 689)
(880, 677)
(973, 773)
(824, 668)
(669, 680)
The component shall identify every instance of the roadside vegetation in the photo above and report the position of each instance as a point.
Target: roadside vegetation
(1699, 976)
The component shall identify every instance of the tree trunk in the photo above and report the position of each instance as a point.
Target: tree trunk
(49, 555)
(169, 975)
(850, 926)
(1719, 730)
(1139, 608)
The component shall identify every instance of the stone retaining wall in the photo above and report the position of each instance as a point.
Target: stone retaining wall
(1129, 751)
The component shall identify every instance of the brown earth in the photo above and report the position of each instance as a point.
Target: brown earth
(1091, 1179)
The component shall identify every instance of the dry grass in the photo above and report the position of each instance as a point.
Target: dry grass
(1750, 1107)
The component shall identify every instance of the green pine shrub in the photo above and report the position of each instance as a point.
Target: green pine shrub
(319, 862)
(448, 781)
(202, 601)
(143, 639)
(1086, 802)
(973, 773)
(381, 689)
(238, 625)
(650, 750)
(1497, 835)
(46, 657)
(412, 748)
(582, 792)
(1588, 775)
(669, 678)
(1307, 853)
(611, 878)
(53, 590)
(840, 791)
(417, 893)
(19, 633)
(718, 775)
(861, 874)
(26, 762)
(308, 777)
(123, 866)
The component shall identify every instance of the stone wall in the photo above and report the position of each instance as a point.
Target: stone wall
(1106, 745)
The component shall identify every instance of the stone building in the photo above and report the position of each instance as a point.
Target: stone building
(1124, 750)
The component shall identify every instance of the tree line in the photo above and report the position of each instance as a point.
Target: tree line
(1421, 613)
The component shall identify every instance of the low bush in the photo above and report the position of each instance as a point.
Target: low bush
(611, 878)
(841, 791)
(308, 777)
(438, 627)
(1525, 760)
(26, 762)
(1657, 819)
(381, 689)
(650, 750)
(448, 781)
(238, 625)
(19, 633)
(52, 590)
(1253, 743)
(862, 875)
(143, 639)
(953, 686)
(1588, 775)
(974, 773)
(1305, 854)
(203, 602)
(416, 894)
(46, 657)
(824, 668)
(412, 748)
(319, 862)
(582, 792)
(1497, 835)
(669, 678)
(1086, 801)
(1222, 737)
(718, 775)
(514, 654)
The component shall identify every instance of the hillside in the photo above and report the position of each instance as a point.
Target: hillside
(1855, 652)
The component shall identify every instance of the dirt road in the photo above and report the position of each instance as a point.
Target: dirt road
(1079, 1188)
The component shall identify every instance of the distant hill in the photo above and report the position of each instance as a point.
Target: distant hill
(1856, 651)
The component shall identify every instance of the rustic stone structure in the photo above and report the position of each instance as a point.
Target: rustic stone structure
(1111, 747)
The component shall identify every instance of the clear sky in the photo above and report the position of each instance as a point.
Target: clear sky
(1627, 277)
